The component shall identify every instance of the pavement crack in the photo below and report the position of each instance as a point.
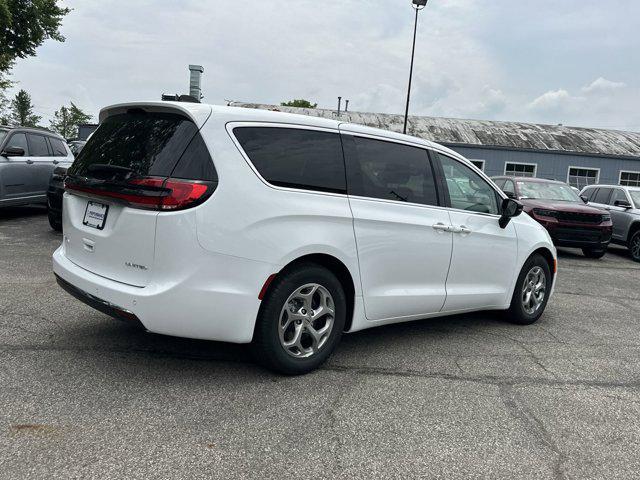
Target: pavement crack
(535, 427)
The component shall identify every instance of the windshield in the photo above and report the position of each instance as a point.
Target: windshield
(635, 196)
(547, 191)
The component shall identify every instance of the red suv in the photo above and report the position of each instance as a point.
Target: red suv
(562, 212)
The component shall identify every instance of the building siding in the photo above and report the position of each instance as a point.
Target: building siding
(552, 166)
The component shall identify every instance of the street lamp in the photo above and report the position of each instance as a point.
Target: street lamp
(417, 5)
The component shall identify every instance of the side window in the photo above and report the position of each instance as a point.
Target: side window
(467, 189)
(588, 192)
(58, 147)
(618, 195)
(602, 196)
(500, 182)
(509, 187)
(19, 140)
(297, 158)
(37, 145)
(390, 171)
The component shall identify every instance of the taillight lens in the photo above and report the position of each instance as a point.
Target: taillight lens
(150, 193)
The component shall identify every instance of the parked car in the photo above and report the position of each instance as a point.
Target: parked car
(76, 146)
(54, 196)
(28, 157)
(562, 212)
(623, 204)
(283, 230)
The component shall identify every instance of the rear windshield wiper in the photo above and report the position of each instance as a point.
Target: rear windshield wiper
(111, 171)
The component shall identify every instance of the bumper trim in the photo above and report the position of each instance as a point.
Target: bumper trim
(97, 303)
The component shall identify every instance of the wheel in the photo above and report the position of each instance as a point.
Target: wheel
(531, 293)
(634, 246)
(594, 253)
(55, 221)
(300, 321)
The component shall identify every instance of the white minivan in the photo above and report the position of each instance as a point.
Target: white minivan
(285, 231)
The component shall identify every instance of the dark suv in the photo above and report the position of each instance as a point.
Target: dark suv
(28, 157)
(562, 212)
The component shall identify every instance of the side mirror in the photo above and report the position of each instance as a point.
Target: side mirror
(622, 203)
(510, 208)
(510, 195)
(584, 199)
(13, 152)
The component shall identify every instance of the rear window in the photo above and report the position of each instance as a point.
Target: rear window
(145, 144)
(38, 145)
(297, 158)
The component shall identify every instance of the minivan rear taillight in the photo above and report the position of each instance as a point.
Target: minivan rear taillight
(150, 193)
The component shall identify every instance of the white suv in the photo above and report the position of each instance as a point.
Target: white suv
(285, 231)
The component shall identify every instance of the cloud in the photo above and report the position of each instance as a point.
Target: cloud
(554, 100)
(486, 60)
(603, 85)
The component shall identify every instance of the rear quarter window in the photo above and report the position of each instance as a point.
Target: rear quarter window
(295, 158)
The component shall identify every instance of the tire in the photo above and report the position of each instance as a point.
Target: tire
(55, 221)
(594, 253)
(634, 246)
(293, 290)
(520, 314)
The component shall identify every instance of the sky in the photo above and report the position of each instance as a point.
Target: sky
(571, 62)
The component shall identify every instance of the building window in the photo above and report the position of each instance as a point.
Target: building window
(630, 179)
(478, 163)
(520, 169)
(581, 177)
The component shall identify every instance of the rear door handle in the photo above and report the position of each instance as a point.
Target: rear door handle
(461, 229)
(29, 162)
(55, 162)
(441, 227)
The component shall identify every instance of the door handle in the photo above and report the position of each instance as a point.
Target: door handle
(461, 229)
(441, 227)
(29, 162)
(55, 162)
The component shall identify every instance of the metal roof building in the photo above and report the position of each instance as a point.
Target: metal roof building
(579, 156)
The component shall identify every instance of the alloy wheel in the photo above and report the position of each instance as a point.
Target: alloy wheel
(635, 246)
(306, 320)
(534, 289)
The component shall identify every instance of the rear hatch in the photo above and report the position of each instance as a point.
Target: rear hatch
(141, 161)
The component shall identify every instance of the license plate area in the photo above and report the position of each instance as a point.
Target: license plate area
(95, 215)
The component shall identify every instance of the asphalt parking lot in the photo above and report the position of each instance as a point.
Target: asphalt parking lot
(84, 396)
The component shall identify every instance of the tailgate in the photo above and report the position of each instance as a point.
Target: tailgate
(123, 250)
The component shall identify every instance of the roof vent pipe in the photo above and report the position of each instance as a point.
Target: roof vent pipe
(195, 80)
(339, 105)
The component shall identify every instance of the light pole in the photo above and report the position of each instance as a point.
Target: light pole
(417, 5)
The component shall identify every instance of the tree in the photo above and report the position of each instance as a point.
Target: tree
(22, 111)
(300, 103)
(4, 102)
(67, 119)
(25, 25)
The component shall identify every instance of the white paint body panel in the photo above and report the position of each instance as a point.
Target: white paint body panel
(207, 265)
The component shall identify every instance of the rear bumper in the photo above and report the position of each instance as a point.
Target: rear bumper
(99, 304)
(217, 300)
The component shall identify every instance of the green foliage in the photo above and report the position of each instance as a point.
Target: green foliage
(25, 25)
(67, 119)
(5, 83)
(22, 111)
(299, 103)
